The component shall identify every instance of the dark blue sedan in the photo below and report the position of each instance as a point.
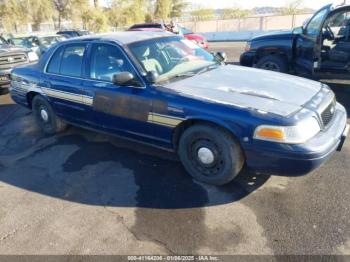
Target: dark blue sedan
(163, 90)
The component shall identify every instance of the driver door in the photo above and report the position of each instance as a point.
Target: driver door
(122, 110)
(308, 46)
(335, 59)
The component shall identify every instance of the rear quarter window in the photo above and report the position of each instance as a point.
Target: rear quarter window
(67, 60)
(72, 60)
(55, 62)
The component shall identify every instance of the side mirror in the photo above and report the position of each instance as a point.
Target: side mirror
(298, 30)
(123, 78)
(152, 76)
(221, 56)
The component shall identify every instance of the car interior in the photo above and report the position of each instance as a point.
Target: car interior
(335, 52)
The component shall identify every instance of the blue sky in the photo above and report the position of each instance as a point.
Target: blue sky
(256, 3)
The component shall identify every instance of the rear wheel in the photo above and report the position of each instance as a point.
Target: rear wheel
(273, 63)
(46, 117)
(210, 154)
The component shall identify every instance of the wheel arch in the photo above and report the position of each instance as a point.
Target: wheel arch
(265, 51)
(30, 96)
(180, 129)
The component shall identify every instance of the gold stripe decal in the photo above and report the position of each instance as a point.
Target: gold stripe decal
(164, 120)
(86, 100)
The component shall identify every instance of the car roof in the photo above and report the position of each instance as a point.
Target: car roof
(123, 38)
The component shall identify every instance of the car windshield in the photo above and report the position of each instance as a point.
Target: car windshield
(172, 57)
(81, 33)
(146, 26)
(50, 40)
(2, 41)
(21, 41)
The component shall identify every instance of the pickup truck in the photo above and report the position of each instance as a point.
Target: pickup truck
(11, 56)
(320, 47)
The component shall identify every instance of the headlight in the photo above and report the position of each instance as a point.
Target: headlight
(32, 56)
(248, 46)
(289, 134)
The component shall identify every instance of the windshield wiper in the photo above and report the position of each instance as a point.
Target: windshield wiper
(207, 68)
(187, 74)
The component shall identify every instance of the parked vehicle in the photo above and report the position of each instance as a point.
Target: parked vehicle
(38, 44)
(321, 47)
(158, 27)
(163, 90)
(74, 33)
(11, 56)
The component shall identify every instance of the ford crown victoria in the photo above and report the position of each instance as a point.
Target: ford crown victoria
(163, 90)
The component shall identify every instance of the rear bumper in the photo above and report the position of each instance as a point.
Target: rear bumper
(247, 59)
(300, 159)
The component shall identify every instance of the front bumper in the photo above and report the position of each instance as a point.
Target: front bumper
(285, 159)
(247, 59)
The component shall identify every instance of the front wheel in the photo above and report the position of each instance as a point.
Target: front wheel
(210, 155)
(46, 117)
(273, 63)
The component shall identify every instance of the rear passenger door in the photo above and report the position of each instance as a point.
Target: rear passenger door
(62, 82)
(122, 110)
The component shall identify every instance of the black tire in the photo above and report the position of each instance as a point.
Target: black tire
(226, 155)
(273, 63)
(46, 117)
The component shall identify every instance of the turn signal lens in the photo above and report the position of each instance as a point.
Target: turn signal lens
(269, 133)
(297, 134)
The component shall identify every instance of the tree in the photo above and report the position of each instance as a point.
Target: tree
(163, 9)
(70, 9)
(177, 8)
(95, 20)
(234, 13)
(39, 11)
(126, 12)
(62, 7)
(203, 14)
(292, 8)
(12, 14)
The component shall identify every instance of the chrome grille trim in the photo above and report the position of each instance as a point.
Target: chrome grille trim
(10, 60)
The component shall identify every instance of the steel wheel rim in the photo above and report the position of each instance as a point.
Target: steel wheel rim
(271, 66)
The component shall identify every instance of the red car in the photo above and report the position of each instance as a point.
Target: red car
(188, 34)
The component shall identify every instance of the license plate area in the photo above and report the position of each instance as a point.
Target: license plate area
(343, 137)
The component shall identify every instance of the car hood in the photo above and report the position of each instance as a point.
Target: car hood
(275, 35)
(11, 48)
(249, 88)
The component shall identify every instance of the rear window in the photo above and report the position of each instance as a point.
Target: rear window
(146, 26)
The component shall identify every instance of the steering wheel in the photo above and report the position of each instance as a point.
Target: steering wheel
(330, 32)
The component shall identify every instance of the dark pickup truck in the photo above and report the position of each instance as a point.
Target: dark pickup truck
(320, 48)
(10, 57)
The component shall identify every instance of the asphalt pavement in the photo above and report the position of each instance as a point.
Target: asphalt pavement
(81, 192)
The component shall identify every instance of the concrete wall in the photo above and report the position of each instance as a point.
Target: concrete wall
(245, 29)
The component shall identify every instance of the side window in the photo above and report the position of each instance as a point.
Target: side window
(72, 60)
(106, 61)
(314, 26)
(54, 64)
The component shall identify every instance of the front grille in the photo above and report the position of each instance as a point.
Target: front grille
(12, 60)
(328, 113)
